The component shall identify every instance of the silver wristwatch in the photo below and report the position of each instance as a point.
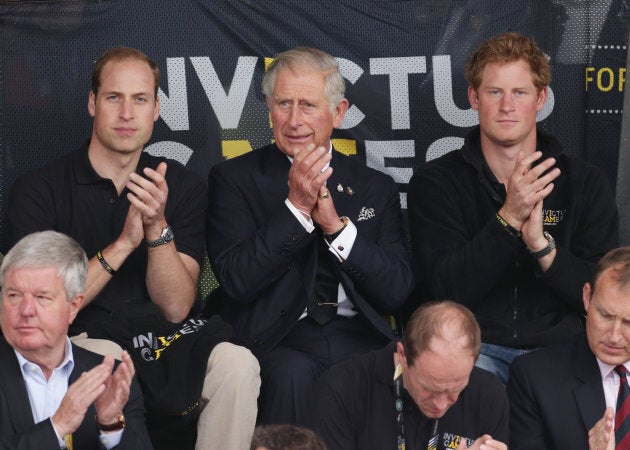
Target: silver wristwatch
(545, 251)
(166, 237)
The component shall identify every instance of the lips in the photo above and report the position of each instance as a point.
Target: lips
(26, 329)
(125, 131)
(613, 349)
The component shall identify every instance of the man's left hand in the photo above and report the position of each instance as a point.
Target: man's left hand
(110, 403)
(325, 214)
(149, 195)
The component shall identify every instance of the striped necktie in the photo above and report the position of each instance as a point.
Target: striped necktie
(622, 414)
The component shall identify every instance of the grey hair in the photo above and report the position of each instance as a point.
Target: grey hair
(308, 58)
(49, 249)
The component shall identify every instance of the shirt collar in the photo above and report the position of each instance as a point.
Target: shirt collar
(67, 364)
(606, 369)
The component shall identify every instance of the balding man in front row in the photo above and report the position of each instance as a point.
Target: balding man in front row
(422, 393)
(52, 393)
(576, 395)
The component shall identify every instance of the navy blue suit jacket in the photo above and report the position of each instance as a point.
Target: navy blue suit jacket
(265, 259)
(556, 397)
(18, 430)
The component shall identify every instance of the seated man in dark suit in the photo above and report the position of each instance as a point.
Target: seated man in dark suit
(568, 396)
(421, 393)
(306, 243)
(52, 393)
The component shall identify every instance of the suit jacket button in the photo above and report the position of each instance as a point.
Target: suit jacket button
(282, 312)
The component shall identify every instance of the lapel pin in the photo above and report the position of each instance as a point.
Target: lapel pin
(339, 188)
(349, 191)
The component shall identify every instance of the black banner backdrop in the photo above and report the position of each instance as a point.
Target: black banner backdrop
(403, 62)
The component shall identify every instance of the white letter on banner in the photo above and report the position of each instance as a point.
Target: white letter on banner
(398, 70)
(443, 93)
(228, 108)
(351, 72)
(443, 146)
(171, 150)
(377, 151)
(174, 108)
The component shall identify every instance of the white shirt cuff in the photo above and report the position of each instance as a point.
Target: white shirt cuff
(307, 224)
(342, 245)
(110, 440)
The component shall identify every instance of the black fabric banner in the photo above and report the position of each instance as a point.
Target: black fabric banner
(403, 62)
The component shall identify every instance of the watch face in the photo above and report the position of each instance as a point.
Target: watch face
(167, 234)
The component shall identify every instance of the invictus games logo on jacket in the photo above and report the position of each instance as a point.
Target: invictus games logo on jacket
(452, 440)
(151, 346)
(553, 217)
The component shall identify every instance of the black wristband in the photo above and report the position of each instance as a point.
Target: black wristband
(331, 237)
(509, 228)
(104, 263)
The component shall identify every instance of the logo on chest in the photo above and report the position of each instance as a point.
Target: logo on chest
(553, 217)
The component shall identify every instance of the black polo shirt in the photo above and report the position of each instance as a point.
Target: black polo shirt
(67, 195)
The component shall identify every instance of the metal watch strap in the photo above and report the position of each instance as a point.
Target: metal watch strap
(166, 237)
(545, 251)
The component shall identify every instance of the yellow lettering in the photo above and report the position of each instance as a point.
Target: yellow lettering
(611, 79)
(589, 78)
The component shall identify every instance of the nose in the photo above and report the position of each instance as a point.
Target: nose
(441, 402)
(615, 332)
(27, 305)
(507, 103)
(295, 117)
(126, 109)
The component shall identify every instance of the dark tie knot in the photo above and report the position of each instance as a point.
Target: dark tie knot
(621, 371)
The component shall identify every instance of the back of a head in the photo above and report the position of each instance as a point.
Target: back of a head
(446, 320)
(285, 437)
(506, 48)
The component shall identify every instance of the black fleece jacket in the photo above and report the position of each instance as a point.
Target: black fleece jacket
(462, 252)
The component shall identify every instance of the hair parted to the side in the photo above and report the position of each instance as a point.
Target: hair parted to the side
(506, 48)
(286, 437)
(120, 54)
(309, 58)
(442, 319)
(618, 260)
(49, 249)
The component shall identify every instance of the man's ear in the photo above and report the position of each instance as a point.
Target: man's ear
(542, 99)
(92, 104)
(75, 306)
(400, 350)
(340, 112)
(473, 99)
(587, 292)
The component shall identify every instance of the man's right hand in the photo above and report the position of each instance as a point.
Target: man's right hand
(601, 436)
(526, 187)
(307, 176)
(80, 395)
(133, 231)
